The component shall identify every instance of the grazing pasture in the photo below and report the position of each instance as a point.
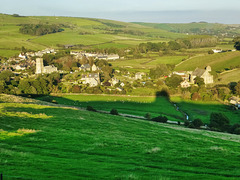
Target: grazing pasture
(51, 142)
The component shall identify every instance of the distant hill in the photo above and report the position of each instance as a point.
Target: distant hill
(73, 31)
(200, 28)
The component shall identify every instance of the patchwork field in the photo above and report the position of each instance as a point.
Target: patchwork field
(48, 142)
(149, 63)
(101, 33)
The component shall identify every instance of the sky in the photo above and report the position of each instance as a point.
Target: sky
(158, 11)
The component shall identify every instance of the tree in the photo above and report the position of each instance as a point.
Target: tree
(237, 43)
(148, 116)
(199, 81)
(237, 88)
(197, 123)
(114, 112)
(174, 81)
(219, 122)
(162, 119)
(196, 96)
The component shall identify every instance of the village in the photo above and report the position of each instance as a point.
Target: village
(31, 64)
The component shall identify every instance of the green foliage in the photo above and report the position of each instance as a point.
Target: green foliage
(90, 108)
(39, 29)
(219, 122)
(114, 112)
(197, 123)
(159, 71)
(148, 116)
(162, 119)
(173, 81)
(199, 81)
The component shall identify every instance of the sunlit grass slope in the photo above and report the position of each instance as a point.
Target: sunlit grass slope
(218, 61)
(47, 142)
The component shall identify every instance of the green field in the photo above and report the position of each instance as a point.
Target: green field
(135, 105)
(47, 142)
(140, 105)
(229, 76)
(203, 110)
(218, 61)
(12, 39)
(147, 63)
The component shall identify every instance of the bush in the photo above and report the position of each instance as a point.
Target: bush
(148, 116)
(219, 122)
(162, 119)
(197, 123)
(90, 108)
(114, 112)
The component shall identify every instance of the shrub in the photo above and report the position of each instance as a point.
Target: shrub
(90, 108)
(197, 123)
(219, 121)
(186, 123)
(148, 116)
(162, 119)
(114, 112)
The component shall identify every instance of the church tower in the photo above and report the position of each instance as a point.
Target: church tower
(39, 65)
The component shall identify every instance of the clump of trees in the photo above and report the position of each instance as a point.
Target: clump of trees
(184, 43)
(114, 112)
(236, 41)
(40, 29)
(162, 119)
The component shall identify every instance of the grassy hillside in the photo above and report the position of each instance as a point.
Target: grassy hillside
(229, 76)
(138, 106)
(100, 32)
(196, 28)
(218, 62)
(47, 142)
(203, 110)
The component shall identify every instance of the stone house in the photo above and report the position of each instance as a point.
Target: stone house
(139, 75)
(202, 73)
(41, 69)
(114, 81)
(92, 79)
(185, 84)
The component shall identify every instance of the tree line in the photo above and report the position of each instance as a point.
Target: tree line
(40, 29)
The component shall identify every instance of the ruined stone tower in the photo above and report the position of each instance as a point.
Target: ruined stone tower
(39, 66)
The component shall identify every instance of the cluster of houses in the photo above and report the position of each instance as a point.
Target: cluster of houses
(80, 54)
(235, 101)
(189, 76)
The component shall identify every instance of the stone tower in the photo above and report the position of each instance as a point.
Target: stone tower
(39, 65)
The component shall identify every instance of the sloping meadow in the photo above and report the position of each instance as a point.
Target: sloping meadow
(50, 142)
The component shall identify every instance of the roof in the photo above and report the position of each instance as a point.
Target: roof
(198, 72)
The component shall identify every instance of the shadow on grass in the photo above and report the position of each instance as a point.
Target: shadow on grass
(160, 106)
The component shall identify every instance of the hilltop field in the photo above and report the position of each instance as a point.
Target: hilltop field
(46, 141)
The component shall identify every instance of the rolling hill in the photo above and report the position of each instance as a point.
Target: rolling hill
(77, 31)
(39, 141)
